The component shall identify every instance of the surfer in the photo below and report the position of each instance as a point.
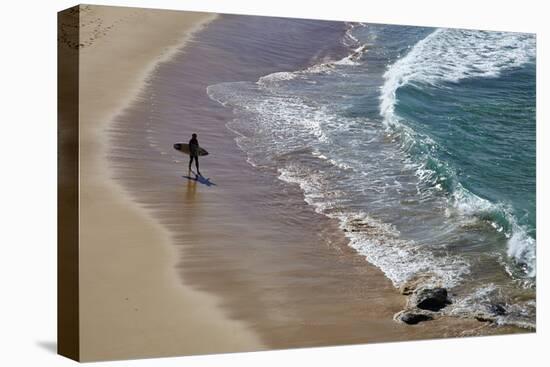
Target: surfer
(194, 152)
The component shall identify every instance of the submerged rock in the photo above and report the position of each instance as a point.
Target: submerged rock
(424, 302)
(433, 299)
(493, 311)
(412, 317)
(497, 309)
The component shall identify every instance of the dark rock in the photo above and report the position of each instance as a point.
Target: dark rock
(491, 313)
(483, 318)
(432, 299)
(497, 309)
(412, 318)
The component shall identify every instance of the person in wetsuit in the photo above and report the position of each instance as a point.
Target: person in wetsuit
(194, 153)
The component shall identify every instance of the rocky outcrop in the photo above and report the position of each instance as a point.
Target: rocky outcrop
(497, 309)
(424, 303)
(415, 283)
(491, 312)
(412, 317)
(432, 299)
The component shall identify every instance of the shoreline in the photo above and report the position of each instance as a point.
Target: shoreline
(249, 238)
(132, 303)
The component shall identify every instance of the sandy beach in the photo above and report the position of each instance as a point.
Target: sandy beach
(132, 303)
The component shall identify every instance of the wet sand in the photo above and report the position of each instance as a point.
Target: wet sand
(240, 233)
(132, 302)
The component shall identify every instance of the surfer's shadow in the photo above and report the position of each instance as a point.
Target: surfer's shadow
(202, 180)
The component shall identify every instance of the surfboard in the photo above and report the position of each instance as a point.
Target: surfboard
(184, 148)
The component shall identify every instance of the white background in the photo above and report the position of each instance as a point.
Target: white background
(28, 181)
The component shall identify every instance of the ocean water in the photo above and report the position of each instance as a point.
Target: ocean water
(421, 143)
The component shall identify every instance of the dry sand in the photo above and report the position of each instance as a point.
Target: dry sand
(132, 303)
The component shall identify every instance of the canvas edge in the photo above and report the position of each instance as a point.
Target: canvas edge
(68, 329)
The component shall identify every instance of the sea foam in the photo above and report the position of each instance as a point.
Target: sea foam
(448, 56)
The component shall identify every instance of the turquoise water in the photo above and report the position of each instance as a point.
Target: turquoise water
(421, 142)
(484, 144)
(471, 119)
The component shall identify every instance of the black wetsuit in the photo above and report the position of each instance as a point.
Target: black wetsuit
(194, 153)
